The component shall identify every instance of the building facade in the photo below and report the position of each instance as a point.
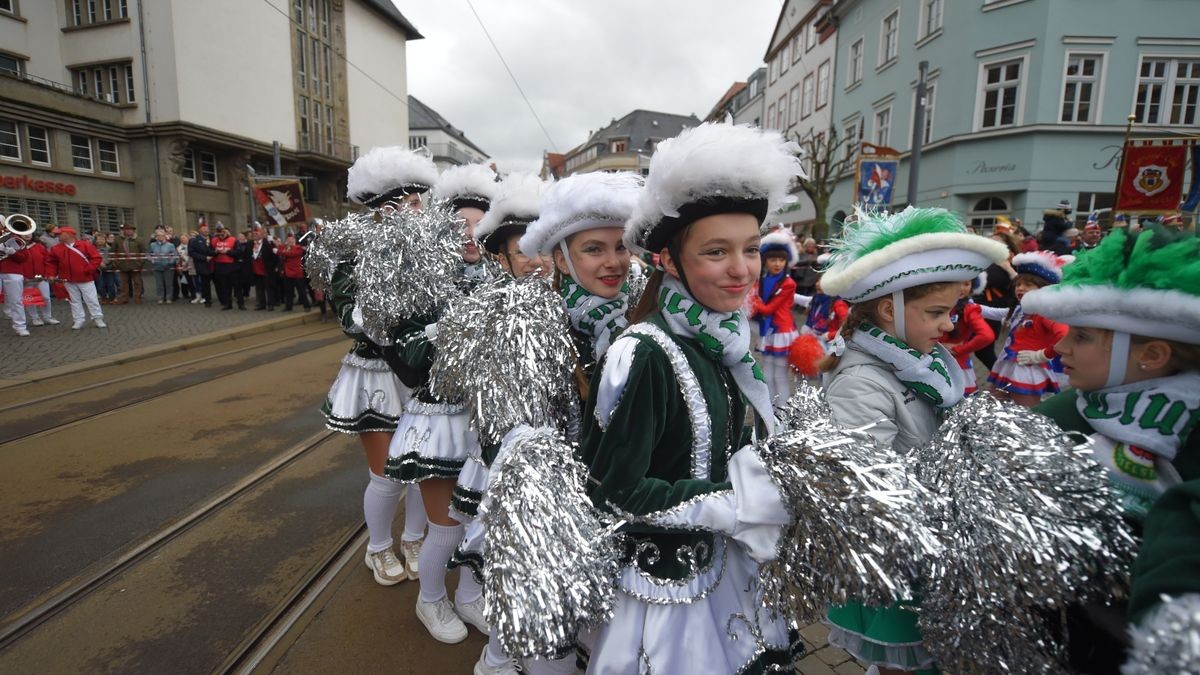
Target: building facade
(1027, 99)
(447, 144)
(749, 105)
(626, 144)
(156, 111)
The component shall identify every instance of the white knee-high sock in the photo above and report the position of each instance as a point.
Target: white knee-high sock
(781, 387)
(414, 515)
(435, 553)
(380, 500)
(468, 589)
(494, 656)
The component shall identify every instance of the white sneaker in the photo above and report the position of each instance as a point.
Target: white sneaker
(472, 612)
(22, 332)
(482, 668)
(388, 569)
(100, 323)
(196, 301)
(52, 321)
(411, 551)
(441, 621)
(36, 322)
(77, 325)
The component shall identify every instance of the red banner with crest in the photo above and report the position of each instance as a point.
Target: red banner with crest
(283, 200)
(1152, 177)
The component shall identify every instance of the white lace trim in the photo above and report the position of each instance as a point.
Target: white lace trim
(357, 361)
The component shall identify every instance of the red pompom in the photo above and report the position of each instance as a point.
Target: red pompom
(805, 354)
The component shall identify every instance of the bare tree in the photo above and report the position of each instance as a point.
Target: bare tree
(828, 160)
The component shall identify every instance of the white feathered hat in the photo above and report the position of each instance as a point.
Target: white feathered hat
(1042, 264)
(780, 239)
(515, 206)
(581, 202)
(712, 169)
(389, 172)
(469, 185)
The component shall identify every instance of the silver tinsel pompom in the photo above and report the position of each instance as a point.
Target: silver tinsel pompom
(1168, 641)
(505, 351)
(550, 562)
(1029, 526)
(409, 265)
(855, 533)
(635, 281)
(338, 241)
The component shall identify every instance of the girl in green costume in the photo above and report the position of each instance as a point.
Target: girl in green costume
(902, 274)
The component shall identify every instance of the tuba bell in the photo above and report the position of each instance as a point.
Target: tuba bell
(17, 227)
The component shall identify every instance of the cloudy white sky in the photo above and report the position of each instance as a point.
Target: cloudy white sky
(580, 62)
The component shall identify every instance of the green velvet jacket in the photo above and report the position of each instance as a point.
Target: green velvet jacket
(341, 296)
(641, 461)
(1168, 561)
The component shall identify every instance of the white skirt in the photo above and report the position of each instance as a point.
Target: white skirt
(1015, 378)
(724, 629)
(777, 344)
(366, 396)
(432, 440)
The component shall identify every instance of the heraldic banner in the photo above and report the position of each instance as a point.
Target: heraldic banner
(283, 201)
(876, 180)
(1152, 177)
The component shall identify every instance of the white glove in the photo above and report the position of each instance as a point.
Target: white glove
(1032, 357)
(357, 318)
(431, 331)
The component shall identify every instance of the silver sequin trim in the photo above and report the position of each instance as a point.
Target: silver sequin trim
(423, 408)
(378, 365)
(649, 589)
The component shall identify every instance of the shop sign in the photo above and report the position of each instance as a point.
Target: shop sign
(30, 184)
(983, 167)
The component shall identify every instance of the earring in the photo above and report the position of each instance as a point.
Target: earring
(1142, 366)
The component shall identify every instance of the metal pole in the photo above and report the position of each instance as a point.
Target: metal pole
(276, 163)
(158, 193)
(1121, 164)
(918, 133)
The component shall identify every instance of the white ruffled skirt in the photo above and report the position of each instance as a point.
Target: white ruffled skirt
(366, 396)
(432, 440)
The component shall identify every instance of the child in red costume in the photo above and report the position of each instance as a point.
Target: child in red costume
(971, 332)
(771, 304)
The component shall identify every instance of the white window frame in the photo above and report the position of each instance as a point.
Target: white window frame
(980, 88)
(796, 50)
(130, 97)
(875, 126)
(1097, 84)
(785, 59)
(855, 70)
(1169, 84)
(771, 116)
(203, 179)
(77, 12)
(884, 59)
(781, 107)
(855, 124)
(808, 95)
(823, 87)
(793, 104)
(188, 166)
(931, 88)
(45, 138)
(773, 70)
(16, 133)
(924, 30)
(116, 157)
(91, 167)
(810, 36)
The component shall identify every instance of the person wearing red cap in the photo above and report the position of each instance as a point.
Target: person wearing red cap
(77, 263)
(1091, 235)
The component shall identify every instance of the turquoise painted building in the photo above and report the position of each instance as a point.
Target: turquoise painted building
(1028, 99)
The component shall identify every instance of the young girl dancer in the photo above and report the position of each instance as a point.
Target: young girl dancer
(664, 436)
(902, 274)
(1022, 372)
(366, 397)
(971, 332)
(771, 302)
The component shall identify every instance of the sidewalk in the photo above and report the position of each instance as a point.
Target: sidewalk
(130, 327)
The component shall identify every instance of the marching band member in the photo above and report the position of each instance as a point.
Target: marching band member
(34, 270)
(13, 279)
(77, 263)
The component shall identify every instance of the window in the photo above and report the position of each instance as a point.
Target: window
(76, 13)
(123, 9)
(796, 47)
(794, 103)
(417, 142)
(930, 92)
(301, 52)
(129, 97)
(81, 82)
(851, 138)
(328, 73)
(810, 36)
(784, 58)
(91, 7)
(771, 116)
(39, 144)
(1167, 91)
(931, 17)
(304, 120)
(617, 146)
(111, 82)
(298, 9)
(189, 165)
(823, 72)
(807, 96)
(108, 157)
(983, 215)
(108, 10)
(208, 168)
(889, 38)
(856, 62)
(11, 64)
(1080, 88)
(81, 152)
(114, 83)
(1001, 87)
(773, 68)
(10, 142)
(312, 15)
(782, 107)
(315, 67)
(883, 126)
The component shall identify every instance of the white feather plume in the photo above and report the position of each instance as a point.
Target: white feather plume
(518, 197)
(386, 168)
(1045, 261)
(578, 203)
(468, 180)
(711, 160)
(780, 237)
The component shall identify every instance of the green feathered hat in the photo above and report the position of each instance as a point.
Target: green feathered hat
(1146, 285)
(881, 253)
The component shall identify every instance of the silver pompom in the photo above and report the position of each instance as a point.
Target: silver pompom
(551, 563)
(505, 350)
(1028, 524)
(635, 283)
(338, 241)
(856, 532)
(1168, 641)
(408, 266)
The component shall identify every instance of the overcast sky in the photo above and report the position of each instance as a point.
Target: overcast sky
(580, 62)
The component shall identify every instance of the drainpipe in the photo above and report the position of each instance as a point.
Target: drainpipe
(918, 132)
(146, 105)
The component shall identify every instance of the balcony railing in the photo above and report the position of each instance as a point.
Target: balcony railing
(59, 86)
(339, 149)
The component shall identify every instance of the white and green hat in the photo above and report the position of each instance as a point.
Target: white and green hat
(578, 203)
(882, 253)
(513, 209)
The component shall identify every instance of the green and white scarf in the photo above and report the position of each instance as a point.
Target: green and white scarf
(1140, 428)
(935, 378)
(726, 336)
(598, 318)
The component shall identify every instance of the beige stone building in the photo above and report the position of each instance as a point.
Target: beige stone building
(150, 111)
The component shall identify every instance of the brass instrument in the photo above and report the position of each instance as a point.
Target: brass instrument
(17, 227)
